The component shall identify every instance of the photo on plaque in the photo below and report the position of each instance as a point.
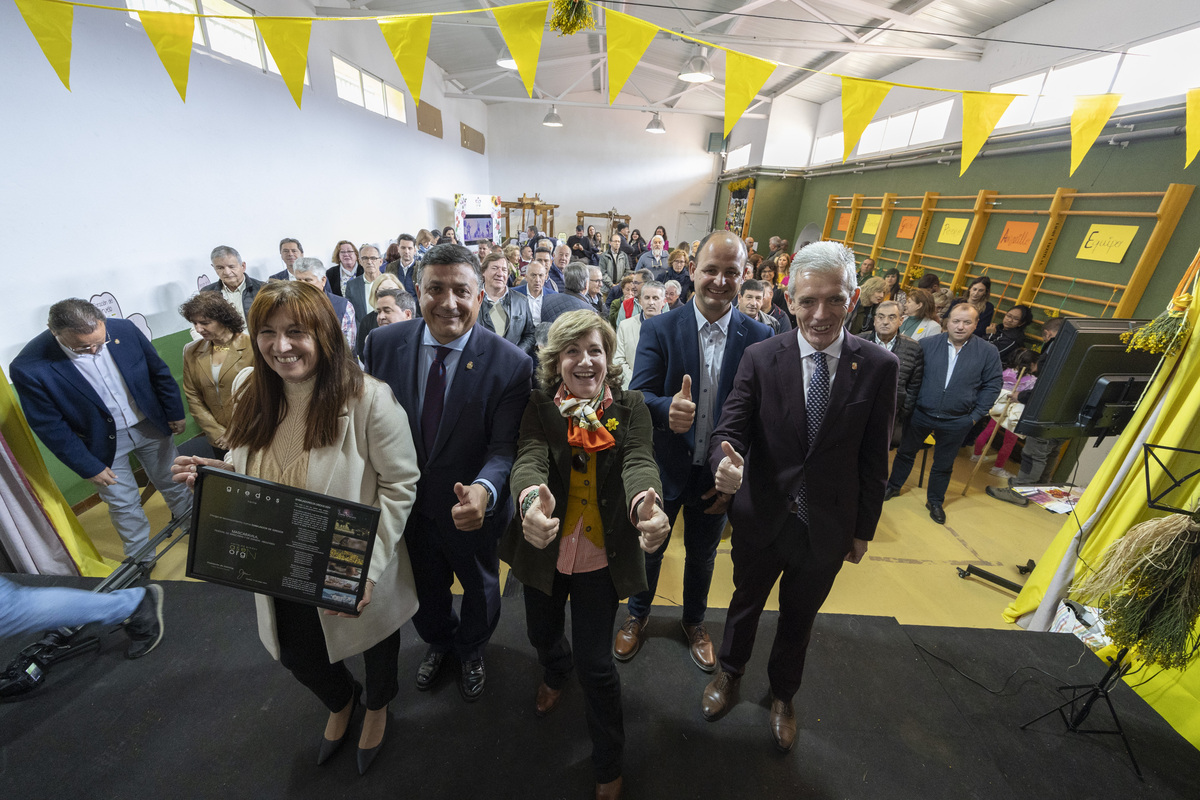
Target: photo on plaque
(280, 541)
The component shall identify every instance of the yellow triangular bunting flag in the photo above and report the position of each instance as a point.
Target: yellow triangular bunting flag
(860, 101)
(1089, 117)
(744, 76)
(171, 35)
(408, 39)
(981, 112)
(1192, 121)
(521, 26)
(628, 38)
(287, 39)
(50, 24)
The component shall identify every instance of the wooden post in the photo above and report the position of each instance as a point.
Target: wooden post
(979, 222)
(928, 205)
(855, 209)
(886, 206)
(1063, 198)
(1170, 209)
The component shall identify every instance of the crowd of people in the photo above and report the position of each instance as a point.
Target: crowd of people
(555, 405)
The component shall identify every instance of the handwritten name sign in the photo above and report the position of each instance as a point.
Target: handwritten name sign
(872, 224)
(953, 229)
(1017, 237)
(907, 228)
(1107, 243)
(844, 221)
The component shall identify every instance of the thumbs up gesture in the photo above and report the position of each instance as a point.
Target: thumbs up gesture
(683, 411)
(652, 523)
(472, 505)
(539, 526)
(729, 471)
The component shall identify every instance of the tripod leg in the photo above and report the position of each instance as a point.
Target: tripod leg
(1124, 738)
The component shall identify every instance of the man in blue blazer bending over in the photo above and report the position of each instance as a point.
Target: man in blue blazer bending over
(95, 392)
(464, 389)
(685, 365)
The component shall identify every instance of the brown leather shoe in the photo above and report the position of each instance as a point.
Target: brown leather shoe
(720, 695)
(610, 790)
(547, 700)
(783, 723)
(701, 647)
(629, 638)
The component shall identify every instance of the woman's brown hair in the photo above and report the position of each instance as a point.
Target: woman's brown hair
(261, 404)
(925, 302)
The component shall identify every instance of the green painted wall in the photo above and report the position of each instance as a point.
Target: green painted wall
(1141, 166)
(776, 201)
(75, 488)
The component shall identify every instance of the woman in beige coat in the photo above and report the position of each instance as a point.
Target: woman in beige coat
(211, 363)
(306, 416)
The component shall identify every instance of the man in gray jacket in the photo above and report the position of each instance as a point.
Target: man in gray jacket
(888, 315)
(961, 382)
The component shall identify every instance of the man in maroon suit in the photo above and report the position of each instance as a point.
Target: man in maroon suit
(809, 419)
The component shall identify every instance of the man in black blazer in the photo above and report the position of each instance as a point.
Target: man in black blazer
(289, 250)
(962, 380)
(504, 307)
(809, 415)
(464, 389)
(888, 315)
(575, 279)
(684, 366)
(234, 284)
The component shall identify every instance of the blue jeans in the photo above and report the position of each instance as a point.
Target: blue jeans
(701, 535)
(33, 609)
(155, 452)
(948, 435)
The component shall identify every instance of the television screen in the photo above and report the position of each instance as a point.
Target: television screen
(1089, 384)
(476, 228)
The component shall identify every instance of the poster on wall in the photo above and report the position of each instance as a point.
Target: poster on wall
(844, 221)
(907, 228)
(741, 204)
(109, 307)
(953, 229)
(1017, 237)
(1107, 243)
(871, 226)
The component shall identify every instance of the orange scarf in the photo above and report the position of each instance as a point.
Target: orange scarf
(584, 428)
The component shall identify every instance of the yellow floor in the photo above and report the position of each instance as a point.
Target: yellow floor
(909, 572)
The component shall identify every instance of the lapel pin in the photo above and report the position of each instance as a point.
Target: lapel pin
(116, 341)
(470, 365)
(853, 365)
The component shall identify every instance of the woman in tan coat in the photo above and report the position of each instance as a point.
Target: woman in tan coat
(306, 416)
(212, 362)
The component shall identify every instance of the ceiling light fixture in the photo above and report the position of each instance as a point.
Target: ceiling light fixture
(656, 125)
(505, 59)
(553, 120)
(697, 69)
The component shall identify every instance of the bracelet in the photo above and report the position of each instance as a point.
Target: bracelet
(370, 581)
(528, 502)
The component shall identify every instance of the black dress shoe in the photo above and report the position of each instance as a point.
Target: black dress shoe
(471, 680)
(427, 673)
(889, 493)
(936, 513)
(367, 755)
(331, 746)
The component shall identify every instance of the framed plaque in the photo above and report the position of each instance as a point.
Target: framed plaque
(294, 544)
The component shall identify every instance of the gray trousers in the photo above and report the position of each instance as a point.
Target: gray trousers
(1037, 459)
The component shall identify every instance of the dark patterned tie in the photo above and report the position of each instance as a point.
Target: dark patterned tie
(435, 398)
(815, 403)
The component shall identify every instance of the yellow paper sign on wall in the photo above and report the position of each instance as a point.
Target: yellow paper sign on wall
(953, 229)
(871, 226)
(1107, 243)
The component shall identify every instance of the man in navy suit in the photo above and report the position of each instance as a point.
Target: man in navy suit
(465, 390)
(810, 418)
(95, 392)
(289, 251)
(962, 380)
(684, 366)
(536, 287)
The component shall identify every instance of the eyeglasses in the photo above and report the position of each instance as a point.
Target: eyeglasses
(579, 460)
(371, 259)
(90, 349)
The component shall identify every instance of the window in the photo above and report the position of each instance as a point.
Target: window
(871, 140)
(737, 158)
(930, 124)
(899, 129)
(1164, 68)
(1094, 76)
(349, 81)
(1020, 110)
(828, 148)
(174, 6)
(395, 102)
(236, 38)
(373, 95)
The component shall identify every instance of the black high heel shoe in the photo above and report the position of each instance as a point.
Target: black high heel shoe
(331, 746)
(366, 756)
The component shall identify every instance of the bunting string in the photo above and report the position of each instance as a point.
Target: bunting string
(522, 24)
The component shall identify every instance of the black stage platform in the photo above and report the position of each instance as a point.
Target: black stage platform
(209, 715)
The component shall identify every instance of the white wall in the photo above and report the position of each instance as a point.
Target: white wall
(601, 159)
(1100, 24)
(119, 187)
(789, 138)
